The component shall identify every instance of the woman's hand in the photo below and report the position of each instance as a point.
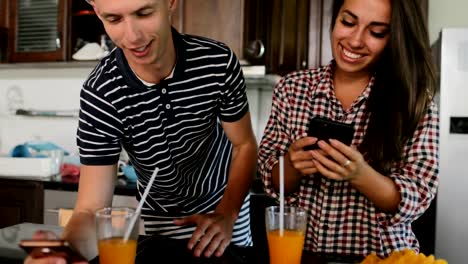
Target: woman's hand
(300, 159)
(338, 161)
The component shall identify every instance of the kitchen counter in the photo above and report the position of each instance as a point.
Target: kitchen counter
(162, 249)
(40, 201)
(63, 184)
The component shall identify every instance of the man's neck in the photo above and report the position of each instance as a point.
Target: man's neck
(154, 73)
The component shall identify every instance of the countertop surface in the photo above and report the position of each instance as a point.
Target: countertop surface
(60, 183)
(156, 248)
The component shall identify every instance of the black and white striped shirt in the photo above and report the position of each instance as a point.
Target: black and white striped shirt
(173, 125)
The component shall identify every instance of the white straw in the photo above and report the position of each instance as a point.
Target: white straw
(281, 198)
(140, 205)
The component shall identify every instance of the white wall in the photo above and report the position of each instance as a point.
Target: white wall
(40, 89)
(446, 13)
(52, 88)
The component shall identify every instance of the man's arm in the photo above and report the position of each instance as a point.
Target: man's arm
(95, 191)
(242, 169)
(214, 231)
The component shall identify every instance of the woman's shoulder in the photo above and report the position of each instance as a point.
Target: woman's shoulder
(307, 76)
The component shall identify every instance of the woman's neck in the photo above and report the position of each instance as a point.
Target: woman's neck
(355, 81)
(348, 87)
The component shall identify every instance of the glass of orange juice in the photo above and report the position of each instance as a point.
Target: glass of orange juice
(286, 246)
(111, 225)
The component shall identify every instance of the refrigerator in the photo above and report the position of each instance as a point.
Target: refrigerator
(452, 198)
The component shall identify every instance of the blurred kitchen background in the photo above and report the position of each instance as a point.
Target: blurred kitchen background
(42, 70)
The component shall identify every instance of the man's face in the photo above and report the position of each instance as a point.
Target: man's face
(141, 28)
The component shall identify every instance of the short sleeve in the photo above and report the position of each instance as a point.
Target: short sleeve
(234, 104)
(99, 130)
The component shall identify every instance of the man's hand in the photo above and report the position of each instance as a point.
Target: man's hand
(41, 235)
(212, 234)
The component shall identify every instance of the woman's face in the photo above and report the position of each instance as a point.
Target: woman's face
(360, 34)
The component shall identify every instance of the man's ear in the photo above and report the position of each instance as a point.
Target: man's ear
(172, 5)
(93, 4)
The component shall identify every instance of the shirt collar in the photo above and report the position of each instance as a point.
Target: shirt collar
(177, 71)
(326, 87)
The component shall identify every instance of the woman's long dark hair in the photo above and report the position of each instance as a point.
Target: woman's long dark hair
(404, 86)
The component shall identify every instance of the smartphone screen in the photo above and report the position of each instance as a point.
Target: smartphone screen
(51, 247)
(325, 129)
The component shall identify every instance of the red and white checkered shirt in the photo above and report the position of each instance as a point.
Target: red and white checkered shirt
(340, 219)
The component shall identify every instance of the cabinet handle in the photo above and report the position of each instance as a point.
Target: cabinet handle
(57, 40)
(56, 211)
(256, 49)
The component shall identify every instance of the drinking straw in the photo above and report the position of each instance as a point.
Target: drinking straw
(140, 205)
(281, 197)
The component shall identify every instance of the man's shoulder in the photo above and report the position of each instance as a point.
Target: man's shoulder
(204, 44)
(106, 70)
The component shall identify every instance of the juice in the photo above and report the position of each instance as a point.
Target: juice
(286, 249)
(115, 251)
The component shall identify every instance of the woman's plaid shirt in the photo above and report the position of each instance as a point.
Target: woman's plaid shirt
(340, 219)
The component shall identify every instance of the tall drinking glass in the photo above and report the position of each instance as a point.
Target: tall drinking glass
(111, 224)
(285, 247)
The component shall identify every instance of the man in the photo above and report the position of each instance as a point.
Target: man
(172, 101)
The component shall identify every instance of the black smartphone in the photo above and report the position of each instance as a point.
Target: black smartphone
(51, 248)
(325, 129)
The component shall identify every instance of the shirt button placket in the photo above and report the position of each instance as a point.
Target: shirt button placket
(165, 99)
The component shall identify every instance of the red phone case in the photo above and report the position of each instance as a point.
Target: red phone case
(51, 247)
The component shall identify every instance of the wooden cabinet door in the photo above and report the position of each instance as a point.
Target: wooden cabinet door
(3, 13)
(221, 20)
(288, 36)
(276, 34)
(38, 30)
(256, 13)
(21, 201)
(3, 30)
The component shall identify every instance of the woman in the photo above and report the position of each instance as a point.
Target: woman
(360, 198)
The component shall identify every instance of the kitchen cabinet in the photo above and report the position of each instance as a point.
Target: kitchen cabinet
(221, 20)
(262, 32)
(85, 27)
(37, 30)
(4, 13)
(21, 201)
(288, 36)
(34, 201)
(3, 30)
(276, 34)
(283, 35)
